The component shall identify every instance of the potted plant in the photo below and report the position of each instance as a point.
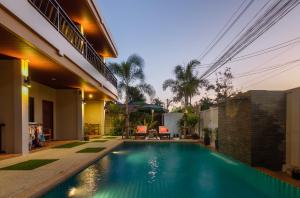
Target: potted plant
(86, 137)
(296, 173)
(207, 134)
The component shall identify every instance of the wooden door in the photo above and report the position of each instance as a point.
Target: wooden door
(48, 119)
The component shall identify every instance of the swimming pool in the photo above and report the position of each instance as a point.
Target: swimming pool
(175, 170)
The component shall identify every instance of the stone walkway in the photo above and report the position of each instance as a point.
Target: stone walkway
(34, 183)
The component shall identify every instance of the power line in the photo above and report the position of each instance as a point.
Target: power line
(225, 30)
(244, 28)
(273, 14)
(271, 76)
(266, 69)
(260, 52)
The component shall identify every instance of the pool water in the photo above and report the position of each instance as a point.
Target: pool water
(175, 170)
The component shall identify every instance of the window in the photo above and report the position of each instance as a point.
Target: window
(31, 109)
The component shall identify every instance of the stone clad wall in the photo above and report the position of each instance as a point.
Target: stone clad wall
(252, 128)
(234, 129)
(268, 128)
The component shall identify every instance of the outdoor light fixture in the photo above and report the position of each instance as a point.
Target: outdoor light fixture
(91, 96)
(27, 81)
(25, 73)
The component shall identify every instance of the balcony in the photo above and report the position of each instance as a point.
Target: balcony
(56, 16)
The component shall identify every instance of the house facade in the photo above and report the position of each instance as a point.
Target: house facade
(53, 76)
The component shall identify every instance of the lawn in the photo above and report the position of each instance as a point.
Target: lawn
(110, 137)
(70, 145)
(100, 141)
(91, 150)
(29, 165)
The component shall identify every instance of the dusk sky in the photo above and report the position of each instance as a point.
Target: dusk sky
(171, 32)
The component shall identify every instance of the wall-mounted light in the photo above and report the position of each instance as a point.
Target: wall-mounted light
(27, 81)
(84, 101)
(25, 73)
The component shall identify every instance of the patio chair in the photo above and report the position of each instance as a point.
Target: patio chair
(141, 131)
(164, 132)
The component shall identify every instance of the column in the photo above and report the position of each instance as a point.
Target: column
(14, 105)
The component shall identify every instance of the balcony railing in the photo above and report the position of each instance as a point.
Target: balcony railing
(53, 12)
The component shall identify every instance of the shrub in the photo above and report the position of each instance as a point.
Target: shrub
(207, 136)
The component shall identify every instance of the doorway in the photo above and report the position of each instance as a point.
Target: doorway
(48, 120)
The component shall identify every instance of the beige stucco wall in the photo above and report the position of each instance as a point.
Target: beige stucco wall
(208, 119)
(13, 107)
(42, 92)
(94, 114)
(293, 129)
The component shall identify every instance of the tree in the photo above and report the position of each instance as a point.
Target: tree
(223, 86)
(185, 85)
(130, 73)
(136, 95)
(206, 102)
(158, 102)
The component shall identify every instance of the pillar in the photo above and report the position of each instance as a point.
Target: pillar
(69, 114)
(14, 105)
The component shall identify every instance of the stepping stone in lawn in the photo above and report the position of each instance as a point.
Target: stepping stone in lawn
(91, 150)
(100, 141)
(70, 145)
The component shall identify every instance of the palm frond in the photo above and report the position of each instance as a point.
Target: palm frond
(148, 89)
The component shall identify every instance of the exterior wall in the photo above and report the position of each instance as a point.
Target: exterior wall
(94, 114)
(26, 13)
(208, 119)
(234, 129)
(252, 128)
(13, 107)
(69, 110)
(268, 128)
(293, 129)
(41, 92)
(170, 121)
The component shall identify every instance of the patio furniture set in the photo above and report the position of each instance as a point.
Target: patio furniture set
(141, 131)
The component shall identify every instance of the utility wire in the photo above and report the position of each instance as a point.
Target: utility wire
(247, 25)
(266, 69)
(272, 15)
(259, 52)
(225, 30)
(271, 76)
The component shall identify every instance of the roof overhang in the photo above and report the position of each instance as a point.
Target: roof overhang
(86, 13)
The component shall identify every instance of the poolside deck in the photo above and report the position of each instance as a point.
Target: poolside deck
(33, 183)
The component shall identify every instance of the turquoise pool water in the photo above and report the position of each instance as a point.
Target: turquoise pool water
(170, 170)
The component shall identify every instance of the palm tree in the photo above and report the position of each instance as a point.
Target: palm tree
(130, 74)
(186, 85)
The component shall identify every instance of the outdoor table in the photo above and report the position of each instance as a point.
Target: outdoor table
(1, 125)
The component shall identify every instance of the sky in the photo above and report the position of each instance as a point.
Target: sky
(166, 33)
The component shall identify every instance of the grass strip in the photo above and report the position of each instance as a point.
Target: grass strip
(110, 137)
(70, 145)
(100, 141)
(91, 150)
(29, 165)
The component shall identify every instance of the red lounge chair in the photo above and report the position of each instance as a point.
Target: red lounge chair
(141, 131)
(164, 132)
